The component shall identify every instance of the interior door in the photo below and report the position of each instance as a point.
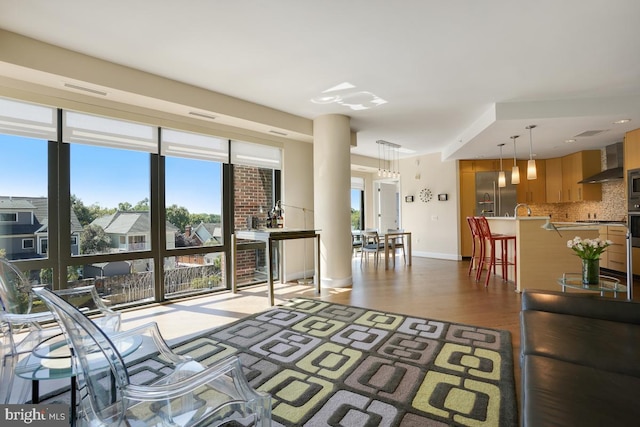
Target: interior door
(388, 205)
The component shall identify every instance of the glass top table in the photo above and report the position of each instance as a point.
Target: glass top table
(52, 360)
(606, 284)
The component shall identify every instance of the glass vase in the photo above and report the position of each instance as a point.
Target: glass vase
(590, 271)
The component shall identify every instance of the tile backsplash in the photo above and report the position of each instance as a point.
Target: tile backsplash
(611, 207)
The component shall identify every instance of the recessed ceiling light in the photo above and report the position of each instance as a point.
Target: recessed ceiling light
(621, 121)
(569, 140)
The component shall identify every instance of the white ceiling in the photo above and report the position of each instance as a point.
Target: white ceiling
(459, 76)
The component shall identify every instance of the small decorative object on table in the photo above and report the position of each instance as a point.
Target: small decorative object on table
(589, 251)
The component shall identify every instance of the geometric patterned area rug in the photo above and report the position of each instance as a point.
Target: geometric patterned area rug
(327, 364)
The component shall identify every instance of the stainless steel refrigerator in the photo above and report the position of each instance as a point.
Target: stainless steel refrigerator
(492, 200)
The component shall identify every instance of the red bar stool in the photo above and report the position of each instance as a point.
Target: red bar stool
(477, 247)
(491, 239)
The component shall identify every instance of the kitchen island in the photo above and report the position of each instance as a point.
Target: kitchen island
(542, 256)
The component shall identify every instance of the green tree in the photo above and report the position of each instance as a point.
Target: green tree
(178, 216)
(46, 276)
(142, 205)
(124, 206)
(72, 273)
(355, 219)
(87, 214)
(82, 212)
(195, 219)
(93, 240)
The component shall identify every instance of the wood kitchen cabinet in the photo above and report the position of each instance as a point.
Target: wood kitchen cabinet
(467, 208)
(575, 168)
(553, 181)
(615, 256)
(468, 169)
(632, 150)
(532, 191)
(479, 165)
(635, 260)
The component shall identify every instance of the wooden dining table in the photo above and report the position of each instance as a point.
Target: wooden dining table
(388, 245)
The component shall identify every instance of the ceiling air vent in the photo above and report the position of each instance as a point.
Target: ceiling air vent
(590, 133)
(202, 115)
(85, 89)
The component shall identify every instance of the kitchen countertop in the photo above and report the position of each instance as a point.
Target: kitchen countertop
(578, 224)
(520, 217)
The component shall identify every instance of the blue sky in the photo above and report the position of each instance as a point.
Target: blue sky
(107, 177)
(355, 199)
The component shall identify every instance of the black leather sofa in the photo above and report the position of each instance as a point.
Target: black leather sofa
(580, 359)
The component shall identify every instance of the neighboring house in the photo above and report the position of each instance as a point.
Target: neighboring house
(204, 234)
(107, 269)
(24, 229)
(208, 234)
(131, 230)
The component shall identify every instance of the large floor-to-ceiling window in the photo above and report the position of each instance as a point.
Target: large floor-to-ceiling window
(357, 203)
(106, 166)
(256, 184)
(26, 177)
(192, 166)
(143, 213)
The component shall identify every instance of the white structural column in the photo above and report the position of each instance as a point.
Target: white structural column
(331, 202)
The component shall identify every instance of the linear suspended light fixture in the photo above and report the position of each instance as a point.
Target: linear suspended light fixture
(532, 172)
(515, 170)
(502, 179)
(388, 159)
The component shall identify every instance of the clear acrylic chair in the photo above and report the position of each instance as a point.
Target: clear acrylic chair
(22, 328)
(190, 394)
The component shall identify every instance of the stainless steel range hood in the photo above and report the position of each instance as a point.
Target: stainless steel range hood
(614, 171)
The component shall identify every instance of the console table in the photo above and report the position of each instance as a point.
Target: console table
(273, 237)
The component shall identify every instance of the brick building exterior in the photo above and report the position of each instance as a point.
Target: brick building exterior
(253, 195)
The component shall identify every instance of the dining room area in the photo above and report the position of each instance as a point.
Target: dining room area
(387, 245)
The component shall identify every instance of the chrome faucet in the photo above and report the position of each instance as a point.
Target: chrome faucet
(515, 211)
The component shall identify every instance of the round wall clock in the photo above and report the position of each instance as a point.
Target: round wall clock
(425, 195)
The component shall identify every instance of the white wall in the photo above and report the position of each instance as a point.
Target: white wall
(434, 225)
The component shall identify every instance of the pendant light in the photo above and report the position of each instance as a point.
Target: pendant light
(515, 170)
(502, 179)
(532, 172)
(388, 159)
